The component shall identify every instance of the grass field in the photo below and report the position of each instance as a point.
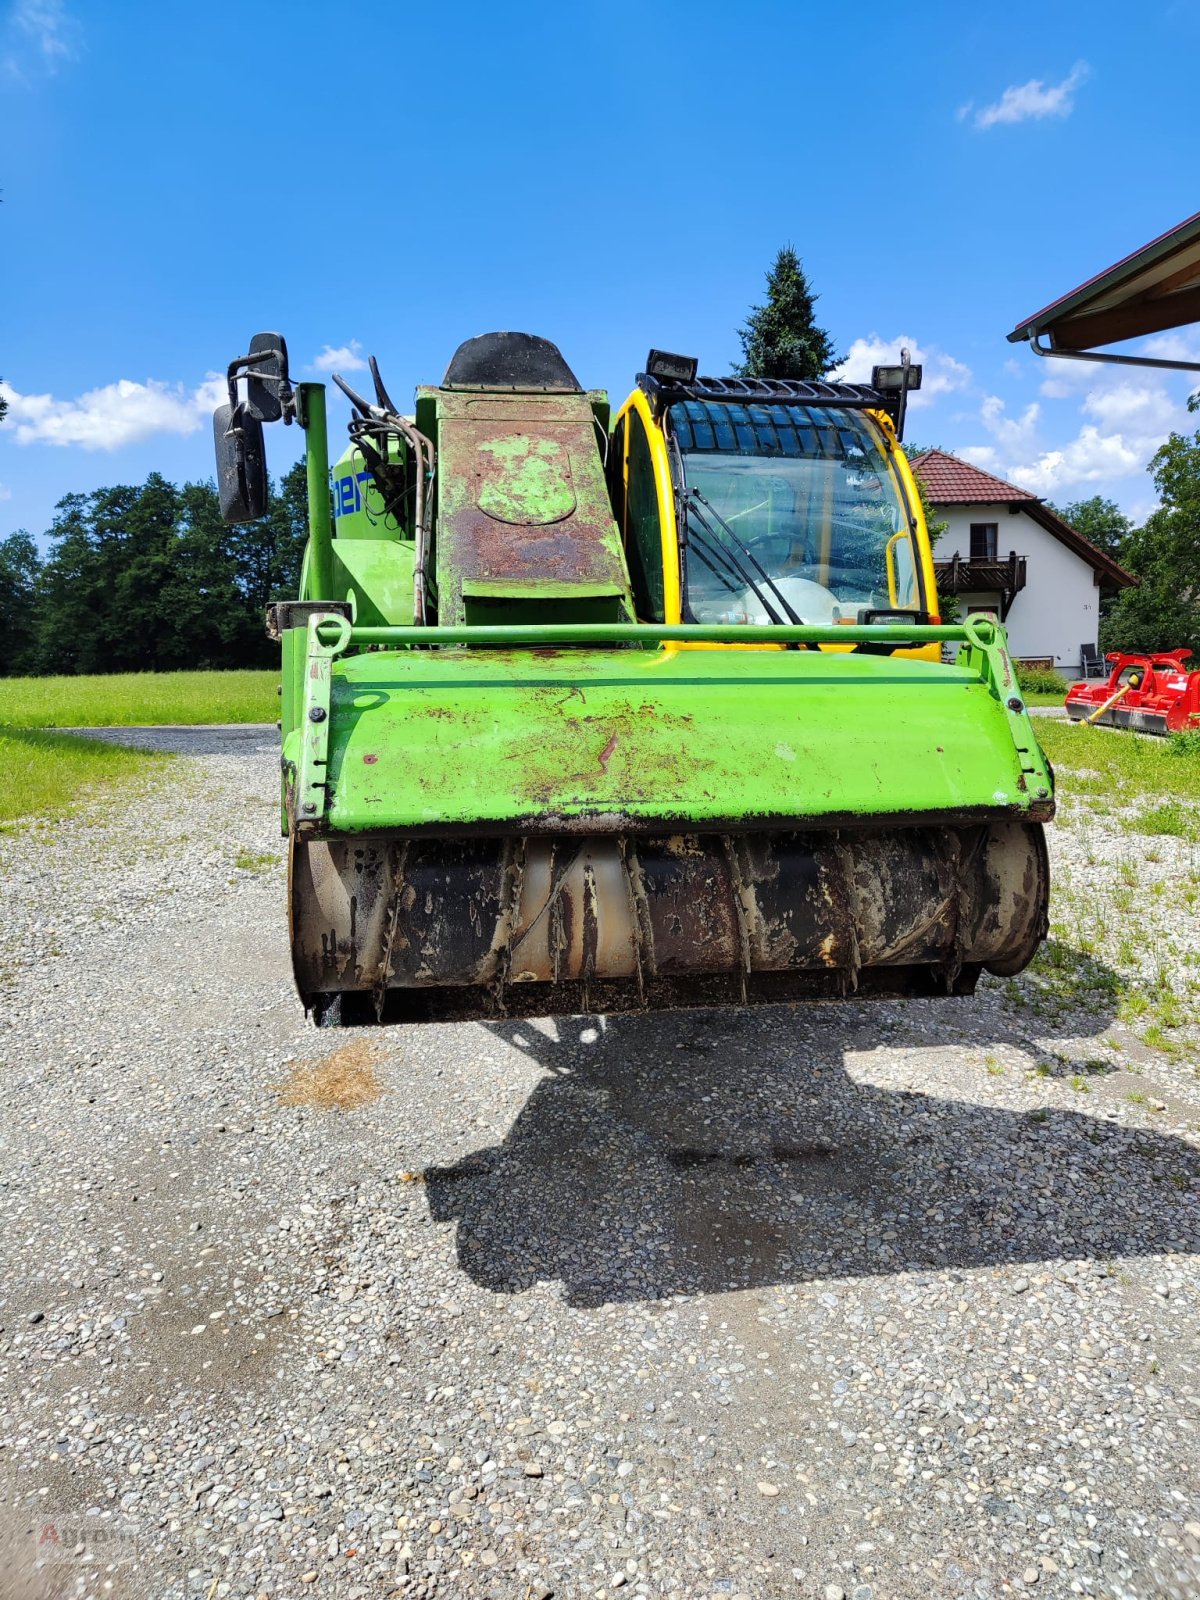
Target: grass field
(1117, 771)
(136, 699)
(48, 774)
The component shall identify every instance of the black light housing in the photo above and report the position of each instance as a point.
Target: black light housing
(896, 384)
(895, 380)
(673, 368)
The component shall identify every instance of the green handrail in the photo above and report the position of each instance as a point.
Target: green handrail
(338, 634)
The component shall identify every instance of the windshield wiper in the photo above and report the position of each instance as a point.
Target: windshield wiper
(704, 541)
(720, 575)
(694, 499)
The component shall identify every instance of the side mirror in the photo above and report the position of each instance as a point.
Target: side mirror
(267, 383)
(241, 464)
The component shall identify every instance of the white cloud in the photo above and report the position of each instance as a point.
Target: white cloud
(213, 392)
(1181, 345)
(1067, 380)
(114, 415)
(942, 373)
(1119, 425)
(1091, 457)
(1143, 405)
(5, 492)
(1024, 102)
(981, 455)
(1013, 433)
(43, 30)
(343, 356)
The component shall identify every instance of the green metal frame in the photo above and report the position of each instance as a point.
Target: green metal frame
(531, 686)
(310, 407)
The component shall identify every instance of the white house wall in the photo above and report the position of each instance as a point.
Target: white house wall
(1059, 607)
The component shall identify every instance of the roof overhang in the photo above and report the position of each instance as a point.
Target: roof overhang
(1154, 289)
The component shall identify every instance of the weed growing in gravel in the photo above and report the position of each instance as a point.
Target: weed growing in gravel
(1063, 977)
(1170, 819)
(1155, 1037)
(1123, 900)
(250, 861)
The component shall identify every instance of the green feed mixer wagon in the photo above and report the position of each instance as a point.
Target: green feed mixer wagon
(594, 716)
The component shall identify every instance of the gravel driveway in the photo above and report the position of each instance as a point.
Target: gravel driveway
(872, 1302)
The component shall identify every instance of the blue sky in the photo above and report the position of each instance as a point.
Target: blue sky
(177, 177)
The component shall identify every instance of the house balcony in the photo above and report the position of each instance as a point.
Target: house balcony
(1003, 577)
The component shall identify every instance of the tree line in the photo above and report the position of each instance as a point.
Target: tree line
(1163, 613)
(148, 578)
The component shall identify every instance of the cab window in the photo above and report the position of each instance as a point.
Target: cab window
(794, 513)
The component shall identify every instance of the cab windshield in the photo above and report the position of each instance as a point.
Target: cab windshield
(793, 515)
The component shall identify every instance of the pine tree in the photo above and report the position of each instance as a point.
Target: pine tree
(20, 565)
(780, 339)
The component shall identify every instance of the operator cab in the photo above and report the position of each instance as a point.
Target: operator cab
(768, 501)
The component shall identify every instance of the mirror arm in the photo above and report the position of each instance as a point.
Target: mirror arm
(237, 369)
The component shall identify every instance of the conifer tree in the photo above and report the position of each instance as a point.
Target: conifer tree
(780, 338)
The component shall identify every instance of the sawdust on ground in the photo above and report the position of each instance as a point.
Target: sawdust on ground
(342, 1081)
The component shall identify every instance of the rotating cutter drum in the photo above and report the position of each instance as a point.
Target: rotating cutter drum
(435, 928)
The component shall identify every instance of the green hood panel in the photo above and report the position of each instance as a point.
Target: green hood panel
(677, 739)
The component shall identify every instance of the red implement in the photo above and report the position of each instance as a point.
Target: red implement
(1152, 694)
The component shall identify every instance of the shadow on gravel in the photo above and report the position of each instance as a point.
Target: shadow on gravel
(710, 1151)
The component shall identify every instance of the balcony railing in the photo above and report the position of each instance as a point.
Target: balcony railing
(1007, 578)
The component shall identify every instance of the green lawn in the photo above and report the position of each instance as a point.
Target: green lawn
(48, 774)
(135, 699)
(1119, 769)
(1037, 698)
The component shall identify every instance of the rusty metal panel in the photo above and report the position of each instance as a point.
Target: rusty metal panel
(522, 500)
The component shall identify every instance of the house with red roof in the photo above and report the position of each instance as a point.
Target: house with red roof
(1006, 554)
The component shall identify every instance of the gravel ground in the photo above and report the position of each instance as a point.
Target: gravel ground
(872, 1303)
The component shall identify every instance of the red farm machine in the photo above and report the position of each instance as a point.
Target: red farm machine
(1152, 693)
